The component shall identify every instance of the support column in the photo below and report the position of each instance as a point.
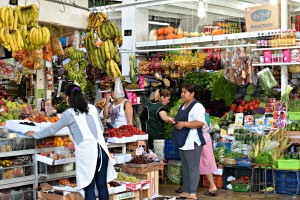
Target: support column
(134, 20)
(284, 27)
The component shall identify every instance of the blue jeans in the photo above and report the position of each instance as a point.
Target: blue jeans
(99, 178)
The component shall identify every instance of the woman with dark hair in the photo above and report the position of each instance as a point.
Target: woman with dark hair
(93, 164)
(154, 115)
(188, 137)
(120, 110)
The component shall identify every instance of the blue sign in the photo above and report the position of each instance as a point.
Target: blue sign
(261, 15)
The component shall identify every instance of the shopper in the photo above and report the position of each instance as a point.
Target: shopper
(187, 136)
(93, 164)
(207, 164)
(120, 109)
(154, 115)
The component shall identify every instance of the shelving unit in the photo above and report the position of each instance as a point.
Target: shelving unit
(276, 64)
(51, 177)
(276, 48)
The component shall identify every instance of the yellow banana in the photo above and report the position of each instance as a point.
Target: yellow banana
(12, 42)
(111, 48)
(117, 56)
(20, 39)
(7, 18)
(11, 18)
(2, 39)
(102, 62)
(109, 73)
(112, 68)
(3, 13)
(117, 69)
(30, 36)
(107, 52)
(47, 37)
(20, 18)
(15, 24)
(40, 39)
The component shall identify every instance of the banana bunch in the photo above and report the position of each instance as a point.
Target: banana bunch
(109, 30)
(112, 69)
(19, 79)
(95, 19)
(75, 54)
(27, 15)
(38, 37)
(74, 74)
(9, 18)
(83, 84)
(24, 33)
(11, 40)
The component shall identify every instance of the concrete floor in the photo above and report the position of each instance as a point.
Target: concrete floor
(169, 190)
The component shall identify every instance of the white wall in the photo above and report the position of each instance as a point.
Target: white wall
(50, 13)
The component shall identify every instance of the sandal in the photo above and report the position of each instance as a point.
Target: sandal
(179, 190)
(212, 194)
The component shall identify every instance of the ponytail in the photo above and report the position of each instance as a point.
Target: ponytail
(76, 99)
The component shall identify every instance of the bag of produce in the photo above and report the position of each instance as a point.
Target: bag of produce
(266, 79)
(56, 46)
(174, 172)
(118, 90)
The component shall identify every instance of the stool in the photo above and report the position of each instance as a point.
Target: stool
(259, 181)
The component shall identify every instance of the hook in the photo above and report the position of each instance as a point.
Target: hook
(63, 7)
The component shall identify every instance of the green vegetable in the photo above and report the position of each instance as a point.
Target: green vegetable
(234, 155)
(247, 98)
(262, 105)
(223, 89)
(264, 158)
(294, 106)
(250, 90)
(174, 173)
(200, 80)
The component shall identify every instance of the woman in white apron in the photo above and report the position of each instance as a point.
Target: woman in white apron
(93, 164)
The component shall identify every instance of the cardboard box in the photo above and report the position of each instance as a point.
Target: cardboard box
(126, 195)
(154, 184)
(294, 136)
(263, 17)
(135, 168)
(71, 196)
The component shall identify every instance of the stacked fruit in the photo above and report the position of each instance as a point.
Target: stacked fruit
(107, 55)
(76, 67)
(19, 29)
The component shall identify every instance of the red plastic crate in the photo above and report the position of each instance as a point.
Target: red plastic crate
(217, 180)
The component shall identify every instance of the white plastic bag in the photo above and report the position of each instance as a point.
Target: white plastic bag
(118, 90)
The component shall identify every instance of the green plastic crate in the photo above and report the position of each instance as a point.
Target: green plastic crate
(241, 187)
(288, 164)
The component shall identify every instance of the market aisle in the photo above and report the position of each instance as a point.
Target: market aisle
(169, 190)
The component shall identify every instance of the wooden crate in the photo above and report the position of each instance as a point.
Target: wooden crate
(154, 184)
(136, 168)
(126, 195)
(294, 136)
(132, 146)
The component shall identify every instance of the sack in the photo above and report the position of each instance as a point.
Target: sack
(56, 46)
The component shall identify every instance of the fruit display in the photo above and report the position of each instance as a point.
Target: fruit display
(57, 155)
(106, 56)
(54, 142)
(124, 131)
(139, 160)
(76, 67)
(12, 110)
(132, 86)
(123, 177)
(100, 104)
(19, 29)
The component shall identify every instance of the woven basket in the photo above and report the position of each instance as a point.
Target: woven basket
(294, 69)
(229, 161)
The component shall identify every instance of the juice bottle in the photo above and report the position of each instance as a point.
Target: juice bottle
(258, 41)
(294, 37)
(280, 39)
(272, 40)
(262, 41)
(276, 40)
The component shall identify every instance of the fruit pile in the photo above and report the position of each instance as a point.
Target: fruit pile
(19, 29)
(54, 142)
(106, 56)
(139, 160)
(124, 131)
(76, 67)
(123, 177)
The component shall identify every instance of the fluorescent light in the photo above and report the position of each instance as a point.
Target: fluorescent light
(273, 2)
(159, 23)
(202, 9)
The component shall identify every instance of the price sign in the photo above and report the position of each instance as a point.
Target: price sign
(13, 2)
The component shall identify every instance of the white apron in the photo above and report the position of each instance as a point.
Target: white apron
(86, 152)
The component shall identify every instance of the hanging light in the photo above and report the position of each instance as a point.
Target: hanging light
(274, 2)
(202, 6)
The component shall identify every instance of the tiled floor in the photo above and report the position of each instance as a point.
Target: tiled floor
(169, 190)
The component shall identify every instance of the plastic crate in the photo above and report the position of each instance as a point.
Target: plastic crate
(217, 180)
(244, 162)
(288, 164)
(171, 152)
(287, 182)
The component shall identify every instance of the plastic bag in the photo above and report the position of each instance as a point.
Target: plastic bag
(56, 46)
(47, 52)
(266, 79)
(174, 172)
(118, 90)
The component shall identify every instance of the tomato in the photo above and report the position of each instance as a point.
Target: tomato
(233, 106)
(243, 102)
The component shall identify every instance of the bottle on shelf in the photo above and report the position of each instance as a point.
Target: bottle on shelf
(262, 41)
(269, 40)
(294, 38)
(258, 41)
(43, 105)
(272, 40)
(280, 39)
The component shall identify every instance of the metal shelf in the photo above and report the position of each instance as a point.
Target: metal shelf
(14, 182)
(276, 48)
(50, 177)
(203, 39)
(276, 64)
(26, 152)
